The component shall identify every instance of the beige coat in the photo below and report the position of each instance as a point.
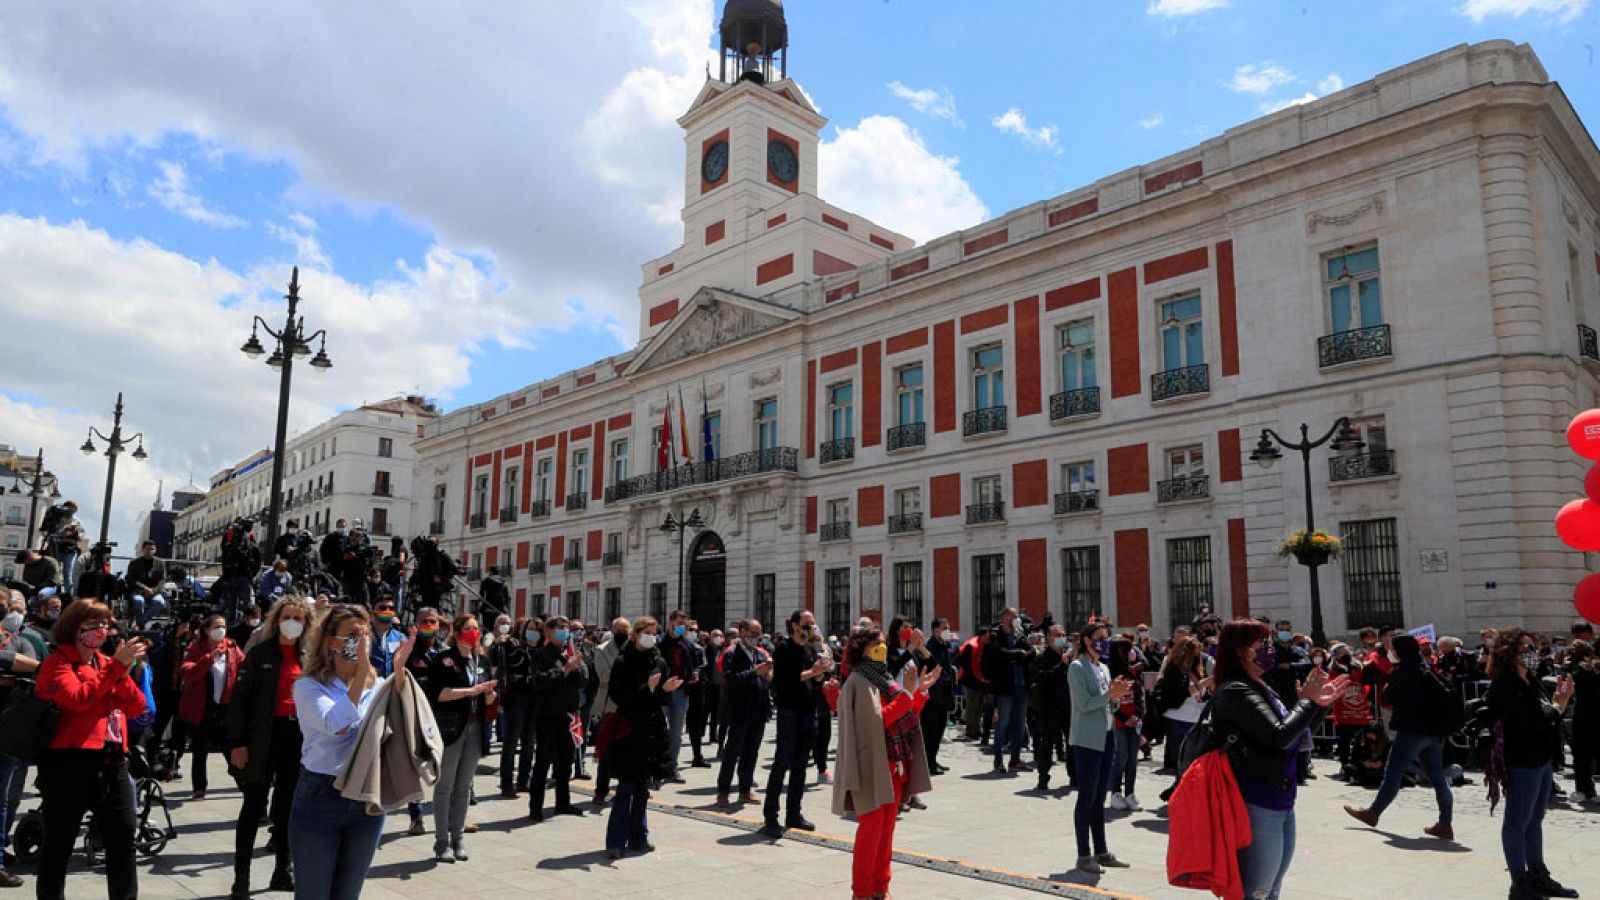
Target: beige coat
(397, 753)
(861, 781)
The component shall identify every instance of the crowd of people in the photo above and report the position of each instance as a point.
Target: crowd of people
(293, 697)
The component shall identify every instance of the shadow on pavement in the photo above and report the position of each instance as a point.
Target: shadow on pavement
(579, 862)
(1155, 826)
(404, 870)
(749, 839)
(1418, 843)
(1075, 877)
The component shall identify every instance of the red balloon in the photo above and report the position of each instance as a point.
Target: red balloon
(1586, 597)
(1583, 434)
(1578, 525)
(1591, 483)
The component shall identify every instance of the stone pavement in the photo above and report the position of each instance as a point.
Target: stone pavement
(983, 836)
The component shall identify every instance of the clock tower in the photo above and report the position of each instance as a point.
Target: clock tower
(752, 220)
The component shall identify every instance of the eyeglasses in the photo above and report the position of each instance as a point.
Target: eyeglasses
(383, 609)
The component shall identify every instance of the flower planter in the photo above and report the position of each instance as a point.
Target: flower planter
(1312, 556)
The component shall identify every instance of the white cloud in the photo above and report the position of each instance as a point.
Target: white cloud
(1565, 10)
(307, 249)
(1012, 121)
(1331, 83)
(1272, 106)
(1259, 78)
(1155, 121)
(939, 103)
(1174, 8)
(881, 169)
(172, 191)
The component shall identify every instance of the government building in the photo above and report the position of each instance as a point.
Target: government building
(1059, 409)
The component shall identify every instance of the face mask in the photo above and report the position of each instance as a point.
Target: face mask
(694, 635)
(52, 614)
(1285, 636)
(1319, 660)
(646, 641)
(751, 642)
(12, 622)
(1102, 647)
(1558, 648)
(343, 530)
(351, 648)
(678, 630)
(427, 631)
(253, 623)
(503, 628)
(905, 635)
(94, 638)
(562, 635)
(1059, 643)
(291, 629)
(468, 638)
(384, 616)
(952, 636)
(878, 653)
(1266, 656)
(1529, 660)
(218, 634)
(717, 642)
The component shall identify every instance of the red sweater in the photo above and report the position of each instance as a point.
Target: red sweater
(1207, 811)
(87, 693)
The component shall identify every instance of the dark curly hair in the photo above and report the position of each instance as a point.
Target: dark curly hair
(859, 642)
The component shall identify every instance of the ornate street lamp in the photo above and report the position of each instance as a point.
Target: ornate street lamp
(115, 445)
(677, 523)
(36, 491)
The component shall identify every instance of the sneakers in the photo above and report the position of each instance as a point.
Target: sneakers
(441, 853)
(824, 777)
(1132, 803)
(1362, 816)
(459, 850)
(1116, 802)
(1110, 861)
(1441, 831)
(1088, 864)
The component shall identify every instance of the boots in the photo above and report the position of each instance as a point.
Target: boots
(1539, 878)
(1522, 887)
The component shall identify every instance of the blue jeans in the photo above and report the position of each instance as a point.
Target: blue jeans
(1407, 746)
(1263, 864)
(1125, 768)
(677, 710)
(13, 773)
(1093, 768)
(1013, 720)
(142, 609)
(331, 839)
(1522, 831)
(68, 561)
(627, 826)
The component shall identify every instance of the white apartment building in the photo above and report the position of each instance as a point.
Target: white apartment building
(357, 465)
(18, 504)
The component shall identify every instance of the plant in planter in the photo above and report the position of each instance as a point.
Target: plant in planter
(1311, 547)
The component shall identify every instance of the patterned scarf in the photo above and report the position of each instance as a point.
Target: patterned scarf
(898, 733)
(1494, 769)
(877, 673)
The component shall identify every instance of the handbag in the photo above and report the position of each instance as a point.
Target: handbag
(27, 723)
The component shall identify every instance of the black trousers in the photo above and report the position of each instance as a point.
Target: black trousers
(75, 782)
(167, 712)
(740, 753)
(283, 773)
(935, 718)
(1047, 744)
(797, 732)
(1585, 757)
(203, 737)
(819, 746)
(719, 728)
(698, 716)
(555, 750)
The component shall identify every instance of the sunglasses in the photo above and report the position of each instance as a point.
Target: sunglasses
(383, 609)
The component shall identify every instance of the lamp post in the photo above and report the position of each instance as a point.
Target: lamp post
(676, 522)
(1265, 454)
(292, 341)
(35, 491)
(115, 445)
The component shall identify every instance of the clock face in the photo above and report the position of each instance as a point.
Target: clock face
(782, 162)
(715, 163)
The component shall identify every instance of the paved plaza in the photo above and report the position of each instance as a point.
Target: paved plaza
(983, 836)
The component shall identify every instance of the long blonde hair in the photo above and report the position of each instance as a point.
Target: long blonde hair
(268, 629)
(1185, 656)
(314, 643)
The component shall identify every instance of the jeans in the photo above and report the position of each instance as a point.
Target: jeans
(1407, 746)
(740, 753)
(1125, 768)
(13, 773)
(283, 773)
(453, 792)
(232, 593)
(516, 747)
(627, 826)
(1089, 812)
(677, 711)
(69, 563)
(1013, 709)
(1263, 864)
(1171, 758)
(1522, 830)
(332, 840)
(797, 728)
(555, 752)
(144, 609)
(71, 784)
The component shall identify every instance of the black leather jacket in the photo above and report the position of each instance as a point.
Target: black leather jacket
(1257, 739)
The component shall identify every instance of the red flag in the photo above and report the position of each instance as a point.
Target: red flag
(683, 429)
(664, 449)
(575, 725)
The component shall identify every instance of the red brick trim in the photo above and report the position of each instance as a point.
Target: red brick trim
(1033, 578)
(838, 223)
(827, 264)
(988, 241)
(906, 270)
(1026, 330)
(663, 312)
(843, 290)
(546, 442)
(869, 506)
(1227, 309)
(1175, 265)
(1076, 211)
(1123, 311)
(550, 391)
(1080, 292)
(773, 269)
(944, 496)
(1132, 550)
(1129, 469)
(586, 379)
(887, 244)
(944, 377)
(1230, 455)
(716, 231)
(835, 361)
(947, 583)
(909, 340)
(618, 422)
(777, 220)
(518, 402)
(666, 269)
(1238, 571)
(987, 318)
(1171, 177)
(1030, 483)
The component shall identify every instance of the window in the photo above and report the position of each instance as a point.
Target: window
(1186, 462)
(386, 447)
(619, 461)
(574, 604)
(767, 424)
(580, 472)
(1077, 477)
(988, 589)
(1188, 577)
(839, 512)
(1371, 565)
(713, 427)
(542, 482)
(841, 411)
(614, 542)
(908, 502)
(477, 565)
(536, 605)
(334, 450)
(438, 502)
(658, 602)
(538, 561)
(908, 395)
(764, 607)
(908, 592)
(1354, 296)
(8, 572)
(14, 515)
(1080, 585)
(480, 493)
(1076, 341)
(380, 520)
(613, 604)
(1182, 333)
(837, 582)
(13, 542)
(988, 377)
(987, 490)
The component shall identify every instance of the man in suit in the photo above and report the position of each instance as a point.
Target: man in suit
(746, 674)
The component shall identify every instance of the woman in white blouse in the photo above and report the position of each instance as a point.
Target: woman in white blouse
(332, 839)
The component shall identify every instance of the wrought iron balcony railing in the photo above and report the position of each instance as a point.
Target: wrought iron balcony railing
(508, 516)
(1376, 464)
(904, 437)
(577, 502)
(983, 421)
(1353, 346)
(1588, 344)
(1184, 382)
(835, 531)
(1072, 404)
(382, 490)
(573, 563)
(479, 520)
(611, 559)
(837, 450)
(537, 567)
(539, 509)
(1175, 490)
(775, 460)
(1068, 502)
(984, 513)
(906, 524)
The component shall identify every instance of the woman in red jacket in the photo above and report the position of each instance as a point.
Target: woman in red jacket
(86, 766)
(208, 671)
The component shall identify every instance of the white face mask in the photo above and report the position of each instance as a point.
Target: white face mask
(218, 634)
(12, 622)
(291, 628)
(503, 628)
(646, 641)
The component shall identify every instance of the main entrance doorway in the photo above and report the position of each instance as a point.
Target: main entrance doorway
(708, 568)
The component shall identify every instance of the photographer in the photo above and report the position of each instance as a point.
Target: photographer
(494, 598)
(434, 572)
(63, 538)
(96, 579)
(357, 557)
(145, 576)
(21, 648)
(284, 546)
(241, 560)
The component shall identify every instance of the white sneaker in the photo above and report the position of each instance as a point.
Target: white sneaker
(1133, 803)
(1117, 802)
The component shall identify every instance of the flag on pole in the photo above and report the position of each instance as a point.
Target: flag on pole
(664, 449)
(683, 428)
(575, 728)
(708, 452)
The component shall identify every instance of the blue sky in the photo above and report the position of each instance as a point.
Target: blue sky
(470, 199)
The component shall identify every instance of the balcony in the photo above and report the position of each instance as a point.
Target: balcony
(836, 531)
(1069, 502)
(1173, 384)
(905, 437)
(573, 563)
(837, 450)
(508, 516)
(1355, 345)
(539, 509)
(577, 502)
(611, 559)
(1588, 344)
(990, 420)
(611, 494)
(537, 567)
(1376, 464)
(436, 527)
(776, 460)
(382, 490)
(907, 524)
(479, 520)
(1178, 490)
(986, 513)
(1075, 404)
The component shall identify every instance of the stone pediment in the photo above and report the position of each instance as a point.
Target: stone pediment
(712, 319)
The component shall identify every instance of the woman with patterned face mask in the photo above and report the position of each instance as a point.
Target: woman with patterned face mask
(882, 755)
(208, 672)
